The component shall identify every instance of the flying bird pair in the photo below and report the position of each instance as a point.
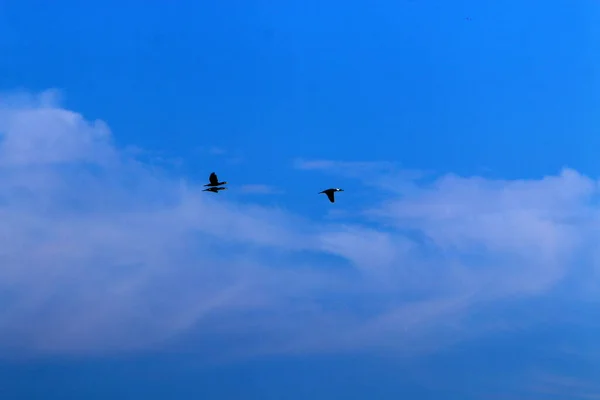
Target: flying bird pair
(215, 186)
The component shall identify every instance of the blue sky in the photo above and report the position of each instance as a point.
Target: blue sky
(460, 262)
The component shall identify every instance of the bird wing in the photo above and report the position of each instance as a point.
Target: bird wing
(330, 196)
(213, 179)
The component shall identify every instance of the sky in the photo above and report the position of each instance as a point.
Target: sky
(460, 262)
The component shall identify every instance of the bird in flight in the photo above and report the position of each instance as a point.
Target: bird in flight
(214, 189)
(214, 181)
(330, 192)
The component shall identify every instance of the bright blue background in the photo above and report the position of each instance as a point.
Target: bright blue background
(512, 90)
(510, 93)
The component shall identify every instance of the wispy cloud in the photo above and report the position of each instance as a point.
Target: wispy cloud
(217, 150)
(103, 253)
(260, 189)
(543, 385)
(565, 386)
(382, 174)
(345, 167)
(210, 150)
(230, 156)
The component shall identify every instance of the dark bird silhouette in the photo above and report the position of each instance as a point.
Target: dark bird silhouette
(330, 192)
(214, 181)
(214, 189)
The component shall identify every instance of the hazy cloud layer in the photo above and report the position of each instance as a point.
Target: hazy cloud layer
(100, 252)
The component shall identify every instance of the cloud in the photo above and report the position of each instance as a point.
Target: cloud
(347, 168)
(103, 252)
(230, 156)
(540, 383)
(217, 150)
(384, 175)
(259, 189)
(564, 386)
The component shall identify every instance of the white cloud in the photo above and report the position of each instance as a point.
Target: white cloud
(47, 135)
(102, 253)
